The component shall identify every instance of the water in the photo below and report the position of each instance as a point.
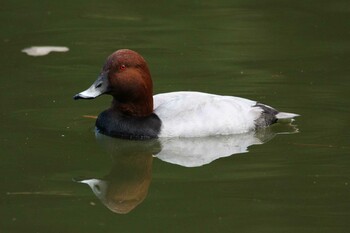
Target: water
(291, 55)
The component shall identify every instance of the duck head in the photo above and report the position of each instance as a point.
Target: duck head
(126, 77)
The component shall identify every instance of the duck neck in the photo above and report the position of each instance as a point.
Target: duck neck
(138, 108)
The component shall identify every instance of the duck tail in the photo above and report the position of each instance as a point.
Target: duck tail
(286, 115)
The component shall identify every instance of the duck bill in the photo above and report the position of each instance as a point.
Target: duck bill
(99, 87)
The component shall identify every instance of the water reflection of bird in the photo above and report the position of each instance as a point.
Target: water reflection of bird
(127, 184)
(195, 152)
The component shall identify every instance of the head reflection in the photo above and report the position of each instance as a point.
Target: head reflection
(126, 185)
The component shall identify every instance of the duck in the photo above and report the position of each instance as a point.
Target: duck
(135, 113)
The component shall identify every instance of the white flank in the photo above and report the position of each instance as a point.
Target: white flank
(196, 114)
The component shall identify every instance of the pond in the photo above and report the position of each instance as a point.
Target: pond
(58, 175)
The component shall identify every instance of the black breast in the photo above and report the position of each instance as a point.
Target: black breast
(116, 124)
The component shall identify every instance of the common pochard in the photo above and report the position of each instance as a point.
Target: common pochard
(136, 114)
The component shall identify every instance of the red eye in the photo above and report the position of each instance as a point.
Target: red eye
(122, 67)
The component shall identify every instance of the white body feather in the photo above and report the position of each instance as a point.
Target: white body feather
(196, 114)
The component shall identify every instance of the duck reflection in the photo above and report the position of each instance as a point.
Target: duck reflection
(127, 184)
(195, 152)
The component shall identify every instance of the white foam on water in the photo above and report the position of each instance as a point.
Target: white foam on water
(44, 50)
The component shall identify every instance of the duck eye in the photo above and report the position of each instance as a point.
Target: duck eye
(122, 67)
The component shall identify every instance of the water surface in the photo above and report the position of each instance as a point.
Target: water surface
(291, 55)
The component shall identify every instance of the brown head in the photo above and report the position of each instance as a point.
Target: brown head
(126, 77)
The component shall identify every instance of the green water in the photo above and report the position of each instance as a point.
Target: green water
(293, 55)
